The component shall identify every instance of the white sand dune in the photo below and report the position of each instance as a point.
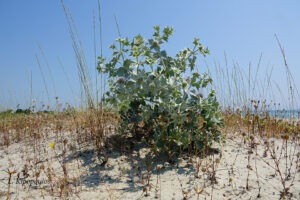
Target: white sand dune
(236, 171)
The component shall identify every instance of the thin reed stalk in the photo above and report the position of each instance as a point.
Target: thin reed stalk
(43, 77)
(83, 72)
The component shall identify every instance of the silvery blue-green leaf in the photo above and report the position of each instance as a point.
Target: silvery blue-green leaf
(131, 81)
(170, 81)
(134, 70)
(112, 46)
(140, 80)
(160, 100)
(163, 53)
(127, 63)
(152, 86)
(184, 83)
(152, 76)
(193, 95)
(196, 41)
(139, 40)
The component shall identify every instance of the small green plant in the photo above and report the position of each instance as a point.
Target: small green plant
(23, 111)
(159, 96)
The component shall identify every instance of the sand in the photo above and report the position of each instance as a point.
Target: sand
(237, 169)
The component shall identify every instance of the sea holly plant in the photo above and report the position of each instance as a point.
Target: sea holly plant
(157, 95)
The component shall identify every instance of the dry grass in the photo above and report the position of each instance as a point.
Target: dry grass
(87, 152)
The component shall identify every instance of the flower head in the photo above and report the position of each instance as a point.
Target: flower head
(52, 145)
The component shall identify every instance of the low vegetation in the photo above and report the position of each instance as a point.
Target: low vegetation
(153, 97)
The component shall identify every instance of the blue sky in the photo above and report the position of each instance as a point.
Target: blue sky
(38, 28)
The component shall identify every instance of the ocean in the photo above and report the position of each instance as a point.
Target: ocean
(285, 114)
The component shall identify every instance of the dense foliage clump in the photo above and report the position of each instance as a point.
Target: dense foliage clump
(158, 95)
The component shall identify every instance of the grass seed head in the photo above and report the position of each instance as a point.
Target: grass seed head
(285, 137)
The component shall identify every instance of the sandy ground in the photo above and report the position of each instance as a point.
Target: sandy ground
(234, 171)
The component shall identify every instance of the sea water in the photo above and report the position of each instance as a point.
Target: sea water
(285, 114)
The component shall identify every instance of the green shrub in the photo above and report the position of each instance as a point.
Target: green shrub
(156, 99)
(23, 111)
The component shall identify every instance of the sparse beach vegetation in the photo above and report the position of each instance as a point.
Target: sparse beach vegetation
(156, 128)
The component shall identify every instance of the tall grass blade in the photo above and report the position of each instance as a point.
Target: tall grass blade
(83, 72)
(43, 77)
(292, 89)
(48, 68)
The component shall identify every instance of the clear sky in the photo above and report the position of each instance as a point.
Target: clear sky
(34, 29)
